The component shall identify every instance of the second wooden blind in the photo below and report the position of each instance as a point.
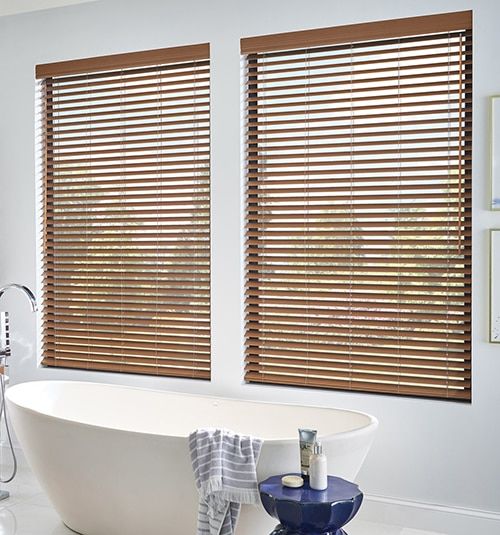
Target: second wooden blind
(358, 236)
(126, 274)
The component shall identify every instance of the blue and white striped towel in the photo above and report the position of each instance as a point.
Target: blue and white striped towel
(225, 470)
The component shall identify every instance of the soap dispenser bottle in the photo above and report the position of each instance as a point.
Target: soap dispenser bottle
(318, 473)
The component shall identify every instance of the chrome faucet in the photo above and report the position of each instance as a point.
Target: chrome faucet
(24, 289)
(4, 317)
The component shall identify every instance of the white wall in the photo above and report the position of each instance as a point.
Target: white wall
(431, 451)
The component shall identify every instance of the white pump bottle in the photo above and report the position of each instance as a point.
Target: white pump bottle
(318, 473)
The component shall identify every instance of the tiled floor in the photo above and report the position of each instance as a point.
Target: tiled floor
(28, 512)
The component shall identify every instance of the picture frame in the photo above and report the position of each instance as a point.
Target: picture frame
(495, 152)
(495, 286)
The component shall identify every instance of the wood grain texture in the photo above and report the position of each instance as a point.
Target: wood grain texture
(124, 61)
(353, 33)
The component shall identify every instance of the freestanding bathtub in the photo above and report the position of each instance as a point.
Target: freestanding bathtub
(114, 460)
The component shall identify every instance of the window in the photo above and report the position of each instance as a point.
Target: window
(126, 237)
(358, 233)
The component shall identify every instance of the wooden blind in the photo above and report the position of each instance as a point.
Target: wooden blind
(358, 233)
(126, 227)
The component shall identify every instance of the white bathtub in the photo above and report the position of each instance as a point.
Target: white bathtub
(114, 460)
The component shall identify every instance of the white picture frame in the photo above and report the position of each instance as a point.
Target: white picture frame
(495, 286)
(495, 151)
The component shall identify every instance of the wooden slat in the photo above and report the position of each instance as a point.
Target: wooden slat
(196, 371)
(255, 312)
(67, 95)
(91, 101)
(415, 44)
(396, 387)
(415, 61)
(380, 377)
(358, 341)
(337, 85)
(63, 140)
(167, 74)
(174, 324)
(282, 327)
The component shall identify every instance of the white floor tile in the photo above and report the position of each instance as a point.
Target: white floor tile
(363, 527)
(23, 488)
(29, 519)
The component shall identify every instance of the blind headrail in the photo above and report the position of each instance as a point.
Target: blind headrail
(124, 61)
(352, 33)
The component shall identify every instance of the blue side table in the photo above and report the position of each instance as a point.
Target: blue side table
(305, 511)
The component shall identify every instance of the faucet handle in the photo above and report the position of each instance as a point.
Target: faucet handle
(4, 335)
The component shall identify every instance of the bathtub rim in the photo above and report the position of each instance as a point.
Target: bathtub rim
(370, 428)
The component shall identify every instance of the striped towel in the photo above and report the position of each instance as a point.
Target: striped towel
(225, 470)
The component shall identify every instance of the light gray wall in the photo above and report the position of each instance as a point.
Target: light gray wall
(9, 7)
(428, 451)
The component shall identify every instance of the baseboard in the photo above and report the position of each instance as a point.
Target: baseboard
(475, 513)
(430, 517)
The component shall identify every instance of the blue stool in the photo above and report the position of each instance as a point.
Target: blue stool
(305, 511)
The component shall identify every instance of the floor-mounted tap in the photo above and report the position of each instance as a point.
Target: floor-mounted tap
(4, 353)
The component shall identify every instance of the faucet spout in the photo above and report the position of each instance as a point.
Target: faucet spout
(29, 294)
